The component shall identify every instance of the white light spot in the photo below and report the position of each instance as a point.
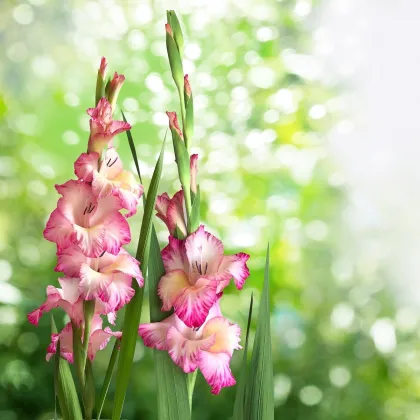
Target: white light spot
(5, 270)
(70, 137)
(17, 52)
(271, 116)
(294, 338)
(282, 387)
(71, 99)
(23, 14)
(310, 395)
(383, 335)
(136, 40)
(340, 376)
(131, 104)
(265, 34)
(9, 294)
(316, 230)
(154, 82)
(342, 316)
(317, 112)
(37, 188)
(302, 8)
(262, 77)
(43, 66)
(160, 118)
(192, 51)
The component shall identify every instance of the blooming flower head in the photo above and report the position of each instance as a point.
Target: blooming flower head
(107, 277)
(92, 223)
(70, 300)
(98, 340)
(208, 348)
(196, 271)
(102, 127)
(172, 211)
(108, 178)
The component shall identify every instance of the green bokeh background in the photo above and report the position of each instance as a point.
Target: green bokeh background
(262, 115)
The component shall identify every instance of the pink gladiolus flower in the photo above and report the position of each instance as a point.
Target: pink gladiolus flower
(98, 340)
(102, 127)
(92, 223)
(209, 348)
(172, 210)
(109, 178)
(70, 300)
(197, 271)
(107, 277)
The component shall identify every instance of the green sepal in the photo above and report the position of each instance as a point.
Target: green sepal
(178, 234)
(176, 29)
(175, 62)
(194, 220)
(100, 88)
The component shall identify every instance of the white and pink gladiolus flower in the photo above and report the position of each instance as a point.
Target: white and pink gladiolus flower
(172, 211)
(70, 300)
(109, 178)
(208, 348)
(81, 218)
(196, 271)
(102, 127)
(107, 277)
(98, 340)
(89, 231)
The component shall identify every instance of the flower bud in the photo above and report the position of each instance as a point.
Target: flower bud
(114, 89)
(177, 31)
(100, 81)
(174, 58)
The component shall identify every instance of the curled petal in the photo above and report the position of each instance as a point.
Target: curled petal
(161, 206)
(125, 263)
(215, 369)
(175, 214)
(117, 233)
(185, 353)
(154, 334)
(119, 292)
(173, 122)
(69, 261)
(85, 165)
(59, 230)
(66, 344)
(53, 297)
(99, 340)
(227, 335)
(90, 240)
(236, 266)
(174, 256)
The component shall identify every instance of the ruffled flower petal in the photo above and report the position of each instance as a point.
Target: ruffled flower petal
(185, 353)
(226, 334)
(193, 305)
(175, 215)
(118, 292)
(174, 256)
(92, 283)
(154, 334)
(215, 369)
(171, 286)
(85, 166)
(59, 230)
(236, 266)
(193, 171)
(117, 233)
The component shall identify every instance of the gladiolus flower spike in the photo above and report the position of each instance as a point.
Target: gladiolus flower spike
(197, 336)
(89, 231)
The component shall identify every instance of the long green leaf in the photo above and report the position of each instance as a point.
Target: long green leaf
(65, 388)
(107, 380)
(171, 381)
(194, 220)
(133, 151)
(259, 400)
(239, 409)
(133, 309)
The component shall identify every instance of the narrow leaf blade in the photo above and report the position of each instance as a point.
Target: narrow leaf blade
(259, 404)
(238, 411)
(133, 309)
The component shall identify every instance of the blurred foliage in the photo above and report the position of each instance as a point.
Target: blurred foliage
(263, 108)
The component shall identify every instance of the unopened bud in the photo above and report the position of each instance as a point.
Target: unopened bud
(174, 58)
(100, 81)
(114, 89)
(176, 29)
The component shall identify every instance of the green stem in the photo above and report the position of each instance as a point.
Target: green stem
(88, 310)
(182, 106)
(77, 353)
(191, 384)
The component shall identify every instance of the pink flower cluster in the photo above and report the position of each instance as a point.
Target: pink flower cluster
(89, 231)
(196, 335)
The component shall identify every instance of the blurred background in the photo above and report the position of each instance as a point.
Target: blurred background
(305, 114)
